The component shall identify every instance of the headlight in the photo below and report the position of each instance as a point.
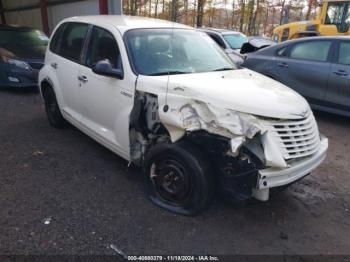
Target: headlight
(18, 63)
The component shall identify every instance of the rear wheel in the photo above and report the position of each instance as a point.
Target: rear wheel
(52, 109)
(177, 178)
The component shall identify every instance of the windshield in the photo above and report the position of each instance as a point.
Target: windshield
(25, 39)
(178, 51)
(235, 40)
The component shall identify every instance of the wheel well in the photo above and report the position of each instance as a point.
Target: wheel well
(45, 85)
(145, 128)
(236, 175)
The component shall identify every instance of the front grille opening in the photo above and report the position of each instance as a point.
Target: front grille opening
(297, 138)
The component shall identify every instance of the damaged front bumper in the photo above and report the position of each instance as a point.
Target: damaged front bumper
(275, 177)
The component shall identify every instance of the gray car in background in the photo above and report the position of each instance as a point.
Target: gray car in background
(318, 68)
(230, 41)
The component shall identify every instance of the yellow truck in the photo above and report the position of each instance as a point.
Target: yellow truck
(333, 18)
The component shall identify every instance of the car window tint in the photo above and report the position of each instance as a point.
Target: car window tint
(103, 46)
(344, 53)
(235, 40)
(22, 38)
(54, 43)
(282, 51)
(183, 51)
(73, 40)
(217, 40)
(315, 50)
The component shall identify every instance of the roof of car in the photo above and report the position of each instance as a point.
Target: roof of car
(304, 39)
(313, 38)
(15, 27)
(220, 31)
(319, 37)
(124, 23)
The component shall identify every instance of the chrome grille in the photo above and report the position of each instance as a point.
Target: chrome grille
(295, 138)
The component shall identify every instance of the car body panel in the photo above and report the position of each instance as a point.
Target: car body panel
(218, 88)
(315, 80)
(232, 104)
(270, 177)
(308, 78)
(339, 86)
(110, 119)
(124, 23)
(256, 43)
(221, 111)
(67, 82)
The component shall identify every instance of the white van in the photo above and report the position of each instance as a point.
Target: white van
(166, 97)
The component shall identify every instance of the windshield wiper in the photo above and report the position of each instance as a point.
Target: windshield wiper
(223, 69)
(169, 73)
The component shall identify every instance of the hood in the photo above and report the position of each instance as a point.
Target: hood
(26, 53)
(236, 58)
(256, 44)
(240, 90)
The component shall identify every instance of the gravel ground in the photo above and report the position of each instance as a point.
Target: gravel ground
(61, 193)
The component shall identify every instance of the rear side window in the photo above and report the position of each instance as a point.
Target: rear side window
(54, 43)
(311, 50)
(103, 46)
(218, 40)
(344, 53)
(73, 40)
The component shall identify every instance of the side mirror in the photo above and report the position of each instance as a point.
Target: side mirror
(105, 68)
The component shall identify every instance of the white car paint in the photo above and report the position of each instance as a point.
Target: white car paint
(236, 104)
(239, 90)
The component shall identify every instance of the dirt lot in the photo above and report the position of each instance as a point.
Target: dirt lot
(62, 193)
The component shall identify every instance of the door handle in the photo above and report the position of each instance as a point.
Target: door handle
(282, 64)
(54, 65)
(341, 73)
(82, 79)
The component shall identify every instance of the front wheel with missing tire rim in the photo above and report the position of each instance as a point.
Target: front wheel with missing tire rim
(52, 109)
(177, 178)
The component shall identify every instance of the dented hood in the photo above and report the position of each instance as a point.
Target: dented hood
(241, 90)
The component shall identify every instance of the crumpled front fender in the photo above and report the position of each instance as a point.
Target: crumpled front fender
(184, 114)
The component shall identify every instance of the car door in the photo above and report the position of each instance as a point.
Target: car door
(338, 91)
(106, 101)
(305, 67)
(65, 60)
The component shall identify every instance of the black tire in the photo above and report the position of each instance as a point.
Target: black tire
(52, 109)
(178, 178)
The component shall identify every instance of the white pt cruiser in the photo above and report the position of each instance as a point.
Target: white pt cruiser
(165, 97)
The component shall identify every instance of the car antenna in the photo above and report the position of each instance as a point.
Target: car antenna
(166, 106)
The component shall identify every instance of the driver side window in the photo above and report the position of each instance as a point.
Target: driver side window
(103, 46)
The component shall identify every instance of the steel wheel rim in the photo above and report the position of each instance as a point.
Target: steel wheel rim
(171, 181)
